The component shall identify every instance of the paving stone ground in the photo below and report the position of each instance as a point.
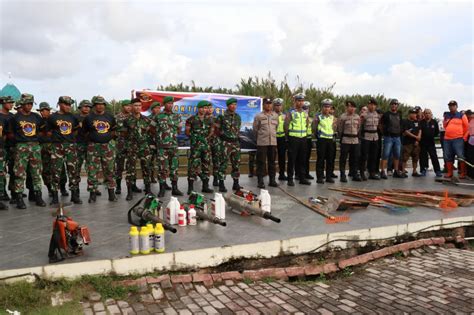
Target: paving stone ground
(430, 281)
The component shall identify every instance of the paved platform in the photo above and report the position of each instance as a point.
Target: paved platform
(25, 234)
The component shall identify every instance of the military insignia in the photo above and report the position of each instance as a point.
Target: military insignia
(29, 128)
(65, 127)
(101, 126)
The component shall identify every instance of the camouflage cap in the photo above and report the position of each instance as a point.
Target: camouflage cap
(85, 103)
(6, 99)
(202, 104)
(231, 100)
(168, 99)
(44, 105)
(155, 104)
(65, 100)
(26, 99)
(98, 100)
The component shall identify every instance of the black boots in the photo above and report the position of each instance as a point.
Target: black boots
(273, 182)
(222, 186)
(236, 185)
(92, 197)
(260, 183)
(3, 206)
(162, 190)
(20, 204)
(167, 187)
(304, 181)
(174, 189)
(31, 195)
(190, 186)
(39, 199)
(135, 188)
(75, 197)
(4, 196)
(215, 182)
(205, 186)
(14, 198)
(147, 189)
(112, 196)
(129, 193)
(55, 198)
(64, 192)
(118, 187)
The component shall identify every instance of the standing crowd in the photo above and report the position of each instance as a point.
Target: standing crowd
(50, 148)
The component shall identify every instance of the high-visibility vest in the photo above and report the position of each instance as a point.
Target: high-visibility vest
(325, 127)
(298, 125)
(280, 128)
(309, 132)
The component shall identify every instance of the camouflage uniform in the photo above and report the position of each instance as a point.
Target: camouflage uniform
(136, 145)
(121, 147)
(229, 148)
(200, 154)
(81, 147)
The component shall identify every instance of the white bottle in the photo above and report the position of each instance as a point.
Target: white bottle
(172, 211)
(181, 216)
(218, 206)
(265, 200)
(192, 215)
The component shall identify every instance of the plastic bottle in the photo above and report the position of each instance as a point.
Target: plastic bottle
(151, 237)
(265, 200)
(159, 238)
(134, 240)
(172, 211)
(192, 215)
(181, 216)
(144, 241)
(218, 206)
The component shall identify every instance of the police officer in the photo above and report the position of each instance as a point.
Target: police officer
(120, 145)
(370, 121)
(265, 127)
(99, 126)
(348, 127)
(323, 127)
(309, 143)
(228, 128)
(81, 140)
(167, 126)
(9, 148)
(136, 130)
(199, 130)
(25, 127)
(296, 128)
(281, 139)
(63, 125)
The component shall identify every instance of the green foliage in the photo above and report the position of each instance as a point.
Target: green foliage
(106, 288)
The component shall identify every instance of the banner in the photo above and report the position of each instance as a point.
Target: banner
(185, 105)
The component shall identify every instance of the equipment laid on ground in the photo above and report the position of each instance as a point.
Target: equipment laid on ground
(197, 206)
(330, 219)
(245, 203)
(140, 215)
(68, 238)
(454, 181)
(335, 204)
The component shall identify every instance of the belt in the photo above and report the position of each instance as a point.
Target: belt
(370, 131)
(350, 136)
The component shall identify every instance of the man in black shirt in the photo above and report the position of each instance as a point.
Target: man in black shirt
(429, 131)
(391, 126)
(9, 146)
(81, 140)
(25, 127)
(100, 127)
(63, 125)
(411, 142)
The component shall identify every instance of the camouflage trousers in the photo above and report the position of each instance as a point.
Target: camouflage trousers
(153, 158)
(143, 155)
(46, 161)
(9, 162)
(100, 155)
(81, 149)
(168, 163)
(27, 156)
(2, 169)
(215, 144)
(120, 159)
(64, 153)
(199, 161)
(229, 151)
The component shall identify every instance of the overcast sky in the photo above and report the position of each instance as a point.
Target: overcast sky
(420, 52)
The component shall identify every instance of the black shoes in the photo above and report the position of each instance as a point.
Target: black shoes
(54, 198)
(174, 189)
(191, 186)
(236, 185)
(39, 199)
(205, 187)
(112, 196)
(92, 197)
(222, 186)
(129, 193)
(75, 197)
(305, 182)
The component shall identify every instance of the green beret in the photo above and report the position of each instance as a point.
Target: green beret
(202, 104)
(231, 101)
(155, 104)
(125, 102)
(168, 99)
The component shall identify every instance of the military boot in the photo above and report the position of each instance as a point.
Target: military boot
(175, 191)
(3, 206)
(236, 185)
(55, 198)
(64, 192)
(112, 196)
(20, 204)
(260, 183)
(205, 187)
(4, 195)
(135, 188)
(75, 197)
(273, 182)
(147, 189)
(92, 197)
(129, 193)
(162, 190)
(222, 186)
(190, 186)
(31, 195)
(215, 182)
(39, 199)
(118, 187)
(167, 187)
(13, 198)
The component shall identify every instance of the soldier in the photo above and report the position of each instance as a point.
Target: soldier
(370, 121)
(63, 125)
(136, 135)
(281, 139)
(99, 126)
(120, 145)
(228, 128)
(9, 147)
(25, 126)
(199, 130)
(166, 126)
(3, 131)
(323, 127)
(309, 143)
(296, 128)
(81, 140)
(45, 142)
(155, 109)
(348, 127)
(265, 128)
(215, 143)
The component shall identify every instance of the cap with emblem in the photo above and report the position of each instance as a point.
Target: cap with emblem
(98, 100)
(278, 101)
(168, 99)
(412, 111)
(231, 100)
(299, 97)
(65, 100)
(418, 109)
(326, 102)
(155, 104)
(44, 106)
(394, 101)
(350, 103)
(373, 101)
(453, 103)
(85, 103)
(267, 100)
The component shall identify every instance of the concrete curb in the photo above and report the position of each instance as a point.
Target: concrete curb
(210, 257)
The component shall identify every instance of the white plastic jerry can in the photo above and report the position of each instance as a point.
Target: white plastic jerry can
(172, 211)
(218, 206)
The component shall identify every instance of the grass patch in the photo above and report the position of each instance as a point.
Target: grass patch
(247, 281)
(268, 279)
(347, 272)
(106, 288)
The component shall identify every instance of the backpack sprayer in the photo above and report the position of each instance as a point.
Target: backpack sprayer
(147, 210)
(214, 214)
(246, 203)
(68, 238)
